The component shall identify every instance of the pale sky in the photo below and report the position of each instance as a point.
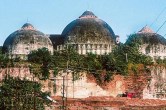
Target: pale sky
(51, 16)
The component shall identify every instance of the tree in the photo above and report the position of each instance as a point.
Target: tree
(17, 94)
(41, 59)
(124, 55)
(40, 56)
(3, 59)
(92, 61)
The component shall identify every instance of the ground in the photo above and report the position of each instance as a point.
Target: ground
(110, 103)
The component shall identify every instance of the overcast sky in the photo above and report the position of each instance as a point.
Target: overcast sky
(51, 16)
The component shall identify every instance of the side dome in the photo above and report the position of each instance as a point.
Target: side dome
(24, 40)
(147, 36)
(150, 43)
(88, 28)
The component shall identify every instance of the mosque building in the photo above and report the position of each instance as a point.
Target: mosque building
(88, 34)
(85, 34)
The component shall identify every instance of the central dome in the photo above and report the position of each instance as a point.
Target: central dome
(88, 28)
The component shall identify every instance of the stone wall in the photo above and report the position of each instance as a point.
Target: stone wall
(156, 87)
(85, 87)
(21, 72)
(143, 86)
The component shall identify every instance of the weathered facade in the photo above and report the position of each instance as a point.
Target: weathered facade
(152, 86)
(88, 34)
(156, 87)
(21, 42)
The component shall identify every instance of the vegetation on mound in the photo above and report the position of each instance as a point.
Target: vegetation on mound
(124, 59)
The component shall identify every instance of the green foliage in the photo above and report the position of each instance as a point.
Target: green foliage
(92, 62)
(125, 54)
(115, 62)
(68, 59)
(164, 61)
(45, 72)
(42, 57)
(0, 49)
(54, 87)
(159, 60)
(97, 76)
(3, 59)
(134, 40)
(55, 72)
(75, 76)
(17, 94)
(108, 76)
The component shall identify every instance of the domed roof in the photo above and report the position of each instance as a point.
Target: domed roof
(147, 35)
(26, 36)
(88, 28)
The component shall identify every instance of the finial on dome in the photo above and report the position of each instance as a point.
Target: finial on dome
(146, 29)
(28, 26)
(88, 14)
